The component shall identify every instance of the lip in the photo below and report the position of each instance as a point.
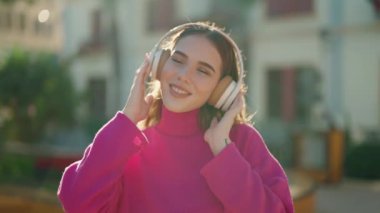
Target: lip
(178, 91)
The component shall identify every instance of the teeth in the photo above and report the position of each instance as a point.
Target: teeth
(178, 90)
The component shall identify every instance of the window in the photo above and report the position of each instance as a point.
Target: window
(161, 15)
(1, 19)
(376, 6)
(97, 104)
(22, 22)
(37, 26)
(280, 8)
(43, 24)
(274, 93)
(96, 25)
(43, 28)
(291, 93)
(8, 20)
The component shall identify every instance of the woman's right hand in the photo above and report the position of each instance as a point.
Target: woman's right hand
(137, 106)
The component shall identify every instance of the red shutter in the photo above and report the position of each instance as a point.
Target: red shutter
(288, 95)
(278, 8)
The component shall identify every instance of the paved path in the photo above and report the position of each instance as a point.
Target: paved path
(349, 196)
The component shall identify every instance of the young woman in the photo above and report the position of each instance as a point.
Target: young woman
(170, 150)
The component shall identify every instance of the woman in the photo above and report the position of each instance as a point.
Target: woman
(171, 151)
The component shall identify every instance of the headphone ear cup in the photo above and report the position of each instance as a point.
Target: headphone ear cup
(232, 96)
(158, 62)
(222, 92)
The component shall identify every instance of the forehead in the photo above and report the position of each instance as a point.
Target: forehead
(199, 48)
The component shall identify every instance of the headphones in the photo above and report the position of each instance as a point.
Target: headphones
(226, 90)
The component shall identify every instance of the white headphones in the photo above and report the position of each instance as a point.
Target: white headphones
(226, 90)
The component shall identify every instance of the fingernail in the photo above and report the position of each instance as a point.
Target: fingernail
(147, 56)
(145, 60)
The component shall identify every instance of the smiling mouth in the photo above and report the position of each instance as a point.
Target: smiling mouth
(178, 92)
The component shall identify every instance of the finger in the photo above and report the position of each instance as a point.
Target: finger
(238, 103)
(138, 71)
(141, 72)
(214, 122)
(227, 121)
(149, 99)
(147, 67)
(229, 116)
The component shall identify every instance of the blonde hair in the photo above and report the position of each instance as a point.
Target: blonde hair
(229, 67)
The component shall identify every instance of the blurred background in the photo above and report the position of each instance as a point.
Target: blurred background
(313, 75)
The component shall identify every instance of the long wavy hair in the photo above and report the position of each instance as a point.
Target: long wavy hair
(229, 67)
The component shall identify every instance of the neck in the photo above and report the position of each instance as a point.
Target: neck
(179, 124)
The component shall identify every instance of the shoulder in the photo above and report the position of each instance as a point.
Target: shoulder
(248, 139)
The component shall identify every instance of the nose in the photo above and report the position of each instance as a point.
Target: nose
(184, 74)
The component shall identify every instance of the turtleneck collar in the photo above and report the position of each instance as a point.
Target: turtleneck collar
(179, 124)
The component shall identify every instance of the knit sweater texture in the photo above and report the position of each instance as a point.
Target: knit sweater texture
(170, 168)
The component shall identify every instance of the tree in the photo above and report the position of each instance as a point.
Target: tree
(36, 92)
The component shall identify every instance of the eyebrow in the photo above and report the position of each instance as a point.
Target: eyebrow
(201, 62)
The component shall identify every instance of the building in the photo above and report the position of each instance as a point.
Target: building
(316, 65)
(104, 41)
(312, 64)
(89, 49)
(33, 26)
(79, 32)
(336, 39)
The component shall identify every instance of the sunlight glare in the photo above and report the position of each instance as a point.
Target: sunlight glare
(43, 16)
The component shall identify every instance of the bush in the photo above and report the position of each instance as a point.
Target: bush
(363, 161)
(16, 168)
(35, 92)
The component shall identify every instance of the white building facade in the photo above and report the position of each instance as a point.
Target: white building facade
(76, 31)
(33, 26)
(316, 59)
(87, 33)
(311, 60)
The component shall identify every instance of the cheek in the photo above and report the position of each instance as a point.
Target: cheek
(206, 86)
(166, 72)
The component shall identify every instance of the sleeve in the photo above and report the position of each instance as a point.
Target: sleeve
(94, 184)
(245, 177)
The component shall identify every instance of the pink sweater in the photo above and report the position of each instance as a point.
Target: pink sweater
(170, 168)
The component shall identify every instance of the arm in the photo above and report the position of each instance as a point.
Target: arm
(245, 177)
(94, 183)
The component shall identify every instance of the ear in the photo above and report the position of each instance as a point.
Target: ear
(159, 59)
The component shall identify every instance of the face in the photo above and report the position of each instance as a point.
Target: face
(190, 74)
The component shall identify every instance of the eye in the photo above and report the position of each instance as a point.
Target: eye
(177, 60)
(204, 71)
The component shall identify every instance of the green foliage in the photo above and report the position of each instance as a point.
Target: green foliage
(93, 123)
(35, 91)
(14, 1)
(247, 2)
(363, 161)
(16, 168)
(20, 170)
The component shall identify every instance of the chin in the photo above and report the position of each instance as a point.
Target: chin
(180, 105)
(176, 108)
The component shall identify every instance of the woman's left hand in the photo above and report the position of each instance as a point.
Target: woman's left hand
(217, 135)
